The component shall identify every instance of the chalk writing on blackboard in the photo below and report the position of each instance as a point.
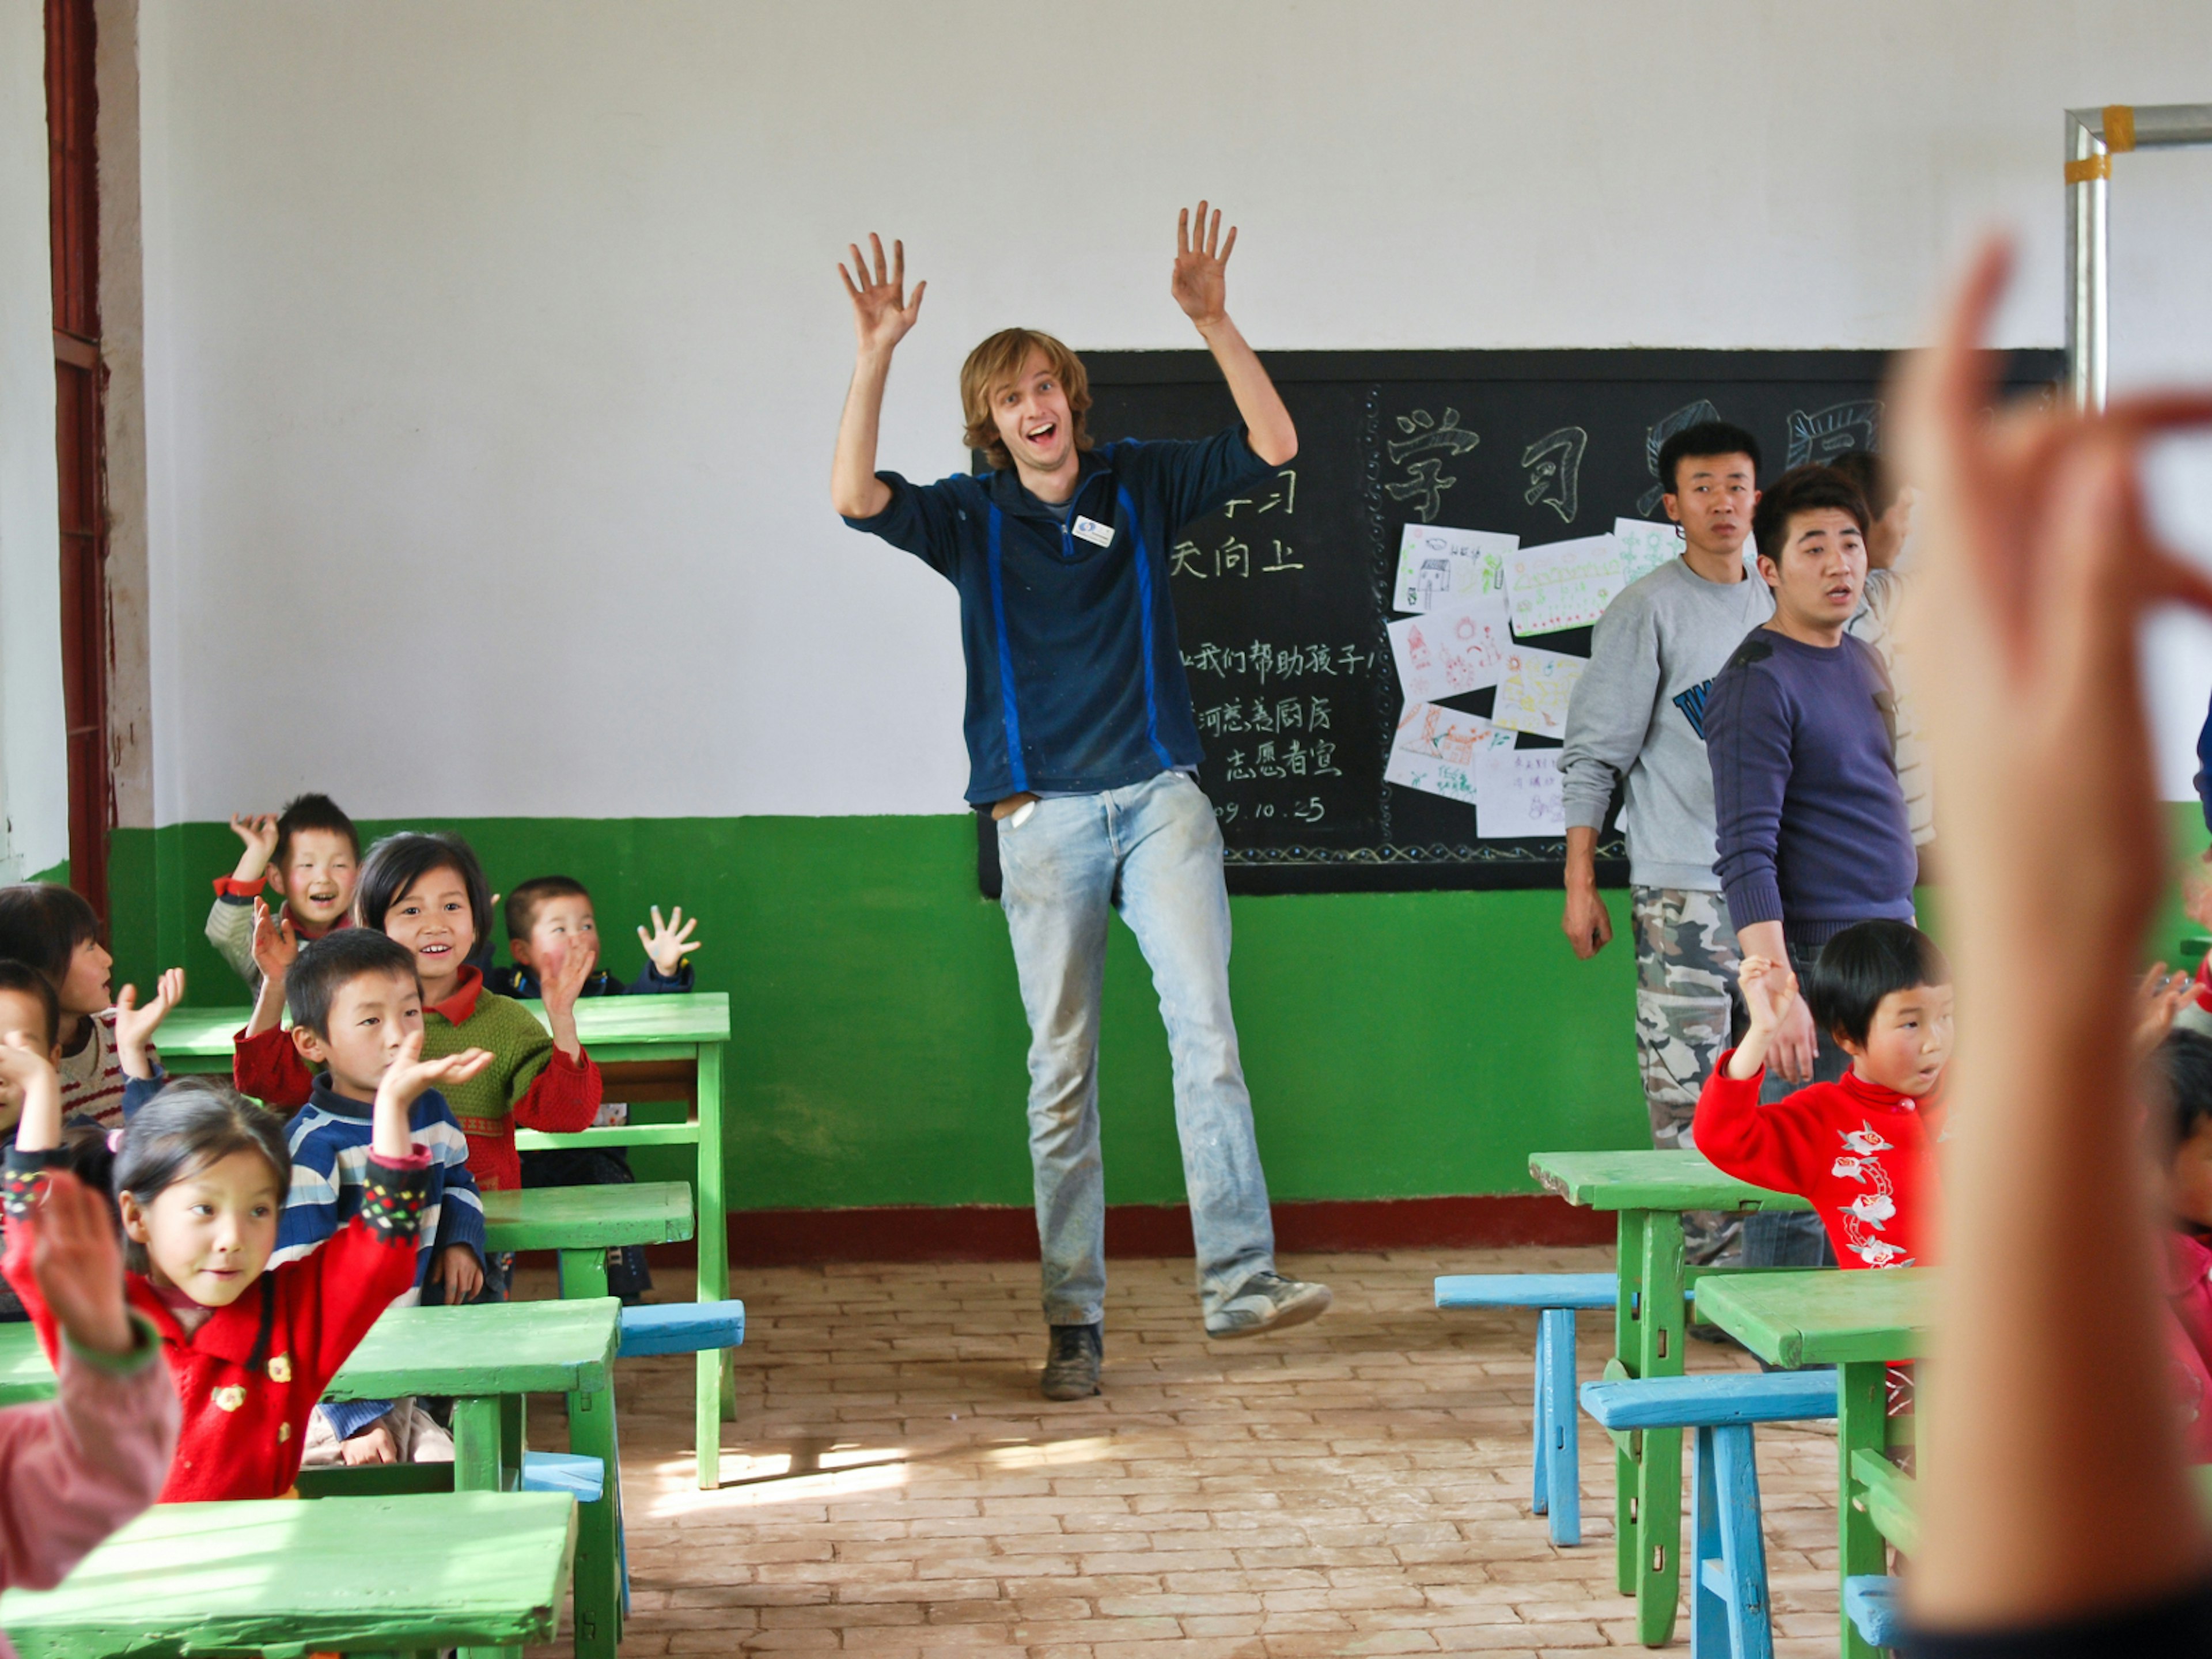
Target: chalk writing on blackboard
(1239, 715)
(1554, 465)
(1278, 757)
(1425, 483)
(1682, 419)
(1825, 434)
(1282, 495)
(1232, 557)
(1262, 657)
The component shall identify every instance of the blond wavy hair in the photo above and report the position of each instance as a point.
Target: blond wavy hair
(1000, 359)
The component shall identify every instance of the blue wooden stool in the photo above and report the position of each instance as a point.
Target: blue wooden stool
(681, 1328)
(1556, 1296)
(1729, 1613)
(1870, 1600)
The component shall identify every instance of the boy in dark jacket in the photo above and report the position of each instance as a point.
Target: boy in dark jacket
(551, 909)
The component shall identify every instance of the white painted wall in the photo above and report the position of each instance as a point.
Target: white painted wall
(494, 352)
(34, 757)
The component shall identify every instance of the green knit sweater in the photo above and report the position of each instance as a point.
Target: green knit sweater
(522, 1048)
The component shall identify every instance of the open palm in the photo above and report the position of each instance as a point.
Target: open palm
(882, 313)
(1199, 282)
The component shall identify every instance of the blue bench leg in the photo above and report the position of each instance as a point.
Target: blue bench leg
(1562, 1465)
(1743, 1539)
(1709, 1610)
(1542, 1499)
(1729, 1615)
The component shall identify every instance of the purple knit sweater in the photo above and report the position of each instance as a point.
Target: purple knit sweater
(1813, 826)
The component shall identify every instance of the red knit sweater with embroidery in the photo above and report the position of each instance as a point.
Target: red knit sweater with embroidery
(1859, 1151)
(251, 1373)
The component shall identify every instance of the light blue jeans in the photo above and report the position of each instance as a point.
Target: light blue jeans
(1151, 850)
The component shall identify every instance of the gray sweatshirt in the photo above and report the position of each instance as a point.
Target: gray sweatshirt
(1640, 712)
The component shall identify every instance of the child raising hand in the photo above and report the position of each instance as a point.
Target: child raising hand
(200, 1179)
(75, 1468)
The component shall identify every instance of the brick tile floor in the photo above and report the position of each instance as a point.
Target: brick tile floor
(894, 1485)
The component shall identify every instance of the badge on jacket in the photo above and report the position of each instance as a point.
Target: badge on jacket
(1099, 535)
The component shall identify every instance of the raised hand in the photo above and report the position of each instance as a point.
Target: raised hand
(29, 1076)
(1201, 261)
(78, 1262)
(2159, 997)
(670, 942)
(276, 944)
(882, 313)
(135, 1026)
(403, 1084)
(258, 831)
(1769, 991)
(2045, 562)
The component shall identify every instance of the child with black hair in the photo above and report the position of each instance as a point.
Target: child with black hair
(354, 1002)
(428, 893)
(53, 930)
(310, 853)
(200, 1181)
(550, 913)
(1857, 1147)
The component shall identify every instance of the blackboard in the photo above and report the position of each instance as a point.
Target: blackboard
(1282, 597)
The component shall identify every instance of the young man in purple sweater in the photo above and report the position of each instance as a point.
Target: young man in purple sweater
(1801, 728)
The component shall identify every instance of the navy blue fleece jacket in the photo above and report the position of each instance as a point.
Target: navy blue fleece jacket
(1802, 739)
(1075, 676)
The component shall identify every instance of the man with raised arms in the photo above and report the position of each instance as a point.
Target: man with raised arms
(1082, 745)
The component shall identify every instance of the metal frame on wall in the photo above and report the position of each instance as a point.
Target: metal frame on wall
(2093, 137)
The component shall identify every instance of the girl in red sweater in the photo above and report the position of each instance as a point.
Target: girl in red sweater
(200, 1181)
(1857, 1147)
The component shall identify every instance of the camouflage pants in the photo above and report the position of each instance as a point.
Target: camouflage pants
(1686, 965)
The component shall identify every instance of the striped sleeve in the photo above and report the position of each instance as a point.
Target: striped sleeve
(311, 1207)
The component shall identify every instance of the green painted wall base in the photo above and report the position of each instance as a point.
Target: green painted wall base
(1398, 1045)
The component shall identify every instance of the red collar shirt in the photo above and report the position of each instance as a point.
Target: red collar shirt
(1858, 1152)
(249, 1373)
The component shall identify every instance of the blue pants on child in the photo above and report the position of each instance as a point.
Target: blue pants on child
(1152, 852)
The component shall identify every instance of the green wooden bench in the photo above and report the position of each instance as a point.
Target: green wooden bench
(407, 1575)
(487, 1358)
(653, 1049)
(1857, 1322)
(1649, 1191)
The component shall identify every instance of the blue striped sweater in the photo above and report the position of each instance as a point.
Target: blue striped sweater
(328, 1140)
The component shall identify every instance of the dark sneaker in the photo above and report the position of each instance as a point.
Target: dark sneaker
(1268, 1302)
(1071, 1369)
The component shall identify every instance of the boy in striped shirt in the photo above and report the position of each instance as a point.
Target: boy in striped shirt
(354, 998)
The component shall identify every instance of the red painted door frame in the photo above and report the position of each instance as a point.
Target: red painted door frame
(79, 440)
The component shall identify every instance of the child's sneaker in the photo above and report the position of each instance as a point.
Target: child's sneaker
(1268, 1302)
(1070, 1369)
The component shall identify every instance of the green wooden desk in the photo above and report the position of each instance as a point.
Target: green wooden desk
(647, 1046)
(388, 1575)
(487, 1358)
(1856, 1321)
(584, 1222)
(1651, 1190)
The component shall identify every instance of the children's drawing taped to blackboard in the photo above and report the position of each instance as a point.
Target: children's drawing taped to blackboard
(1517, 794)
(1533, 690)
(1563, 584)
(1435, 748)
(1448, 652)
(1644, 546)
(1439, 566)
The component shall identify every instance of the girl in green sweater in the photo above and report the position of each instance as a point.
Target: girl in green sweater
(429, 892)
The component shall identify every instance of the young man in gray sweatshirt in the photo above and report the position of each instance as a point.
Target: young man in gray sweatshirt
(1639, 714)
